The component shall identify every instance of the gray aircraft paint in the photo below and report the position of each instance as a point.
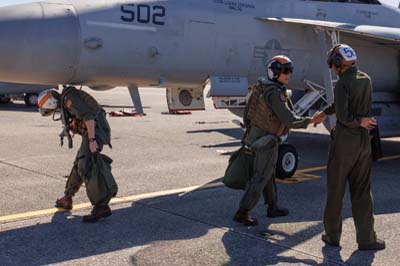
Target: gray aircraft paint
(12, 88)
(87, 42)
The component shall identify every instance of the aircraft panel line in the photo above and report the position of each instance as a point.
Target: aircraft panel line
(120, 26)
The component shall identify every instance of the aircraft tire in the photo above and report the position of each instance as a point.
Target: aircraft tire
(288, 160)
(31, 99)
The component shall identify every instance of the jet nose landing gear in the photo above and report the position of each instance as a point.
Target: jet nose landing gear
(288, 160)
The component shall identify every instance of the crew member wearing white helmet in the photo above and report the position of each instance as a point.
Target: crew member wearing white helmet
(82, 115)
(268, 115)
(350, 151)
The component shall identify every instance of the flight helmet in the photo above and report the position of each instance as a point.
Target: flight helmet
(341, 55)
(278, 65)
(48, 102)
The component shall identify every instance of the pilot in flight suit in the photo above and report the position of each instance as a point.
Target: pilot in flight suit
(350, 151)
(268, 116)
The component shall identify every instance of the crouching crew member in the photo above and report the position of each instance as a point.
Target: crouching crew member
(81, 114)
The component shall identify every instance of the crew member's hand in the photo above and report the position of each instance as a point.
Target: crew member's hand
(93, 146)
(368, 123)
(318, 118)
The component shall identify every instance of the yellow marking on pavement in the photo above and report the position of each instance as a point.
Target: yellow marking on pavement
(300, 176)
(26, 215)
(313, 169)
(203, 186)
(293, 180)
(309, 175)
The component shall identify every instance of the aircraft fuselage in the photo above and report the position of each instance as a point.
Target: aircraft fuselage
(179, 43)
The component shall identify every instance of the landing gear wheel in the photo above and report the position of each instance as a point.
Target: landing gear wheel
(288, 160)
(31, 99)
(4, 99)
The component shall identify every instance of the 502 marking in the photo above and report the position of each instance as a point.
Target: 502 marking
(143, 14)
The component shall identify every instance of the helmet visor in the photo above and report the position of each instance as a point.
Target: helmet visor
(46, 112)
(287, 69)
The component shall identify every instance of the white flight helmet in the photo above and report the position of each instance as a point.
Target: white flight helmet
(48, 102)
(341, 55)
(278, 65)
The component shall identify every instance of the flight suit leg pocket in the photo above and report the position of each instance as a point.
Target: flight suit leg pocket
(83, 165)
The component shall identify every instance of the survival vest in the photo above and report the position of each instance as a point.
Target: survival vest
(77, 126)
(258, 113)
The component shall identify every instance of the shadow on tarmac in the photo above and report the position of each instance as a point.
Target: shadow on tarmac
(306, 143)
(17, 107)
(354, 259)
(235, 133)
(153, 223)
(294, 137)
(66, 238)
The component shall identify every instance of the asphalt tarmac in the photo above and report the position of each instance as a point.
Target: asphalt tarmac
(171, 208)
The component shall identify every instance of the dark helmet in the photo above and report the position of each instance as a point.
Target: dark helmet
(278, 65)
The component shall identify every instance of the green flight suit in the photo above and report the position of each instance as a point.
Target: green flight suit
(350, 157)
(265, 148)
(83, 110)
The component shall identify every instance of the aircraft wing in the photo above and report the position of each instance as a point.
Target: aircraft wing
(377, 32)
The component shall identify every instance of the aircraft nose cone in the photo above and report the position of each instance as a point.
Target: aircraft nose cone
(39, 43)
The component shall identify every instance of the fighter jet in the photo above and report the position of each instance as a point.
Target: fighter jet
(29, 92)
(188, 46)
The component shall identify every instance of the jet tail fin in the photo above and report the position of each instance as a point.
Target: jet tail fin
(390, 34)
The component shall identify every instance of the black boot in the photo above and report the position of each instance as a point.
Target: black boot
(97, 213)
(377, 245)
(275, 211)
(242, 216)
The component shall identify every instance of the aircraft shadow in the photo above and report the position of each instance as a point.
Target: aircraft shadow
(153, 223)
(17, 107)
(306, 143)
(235, 133)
